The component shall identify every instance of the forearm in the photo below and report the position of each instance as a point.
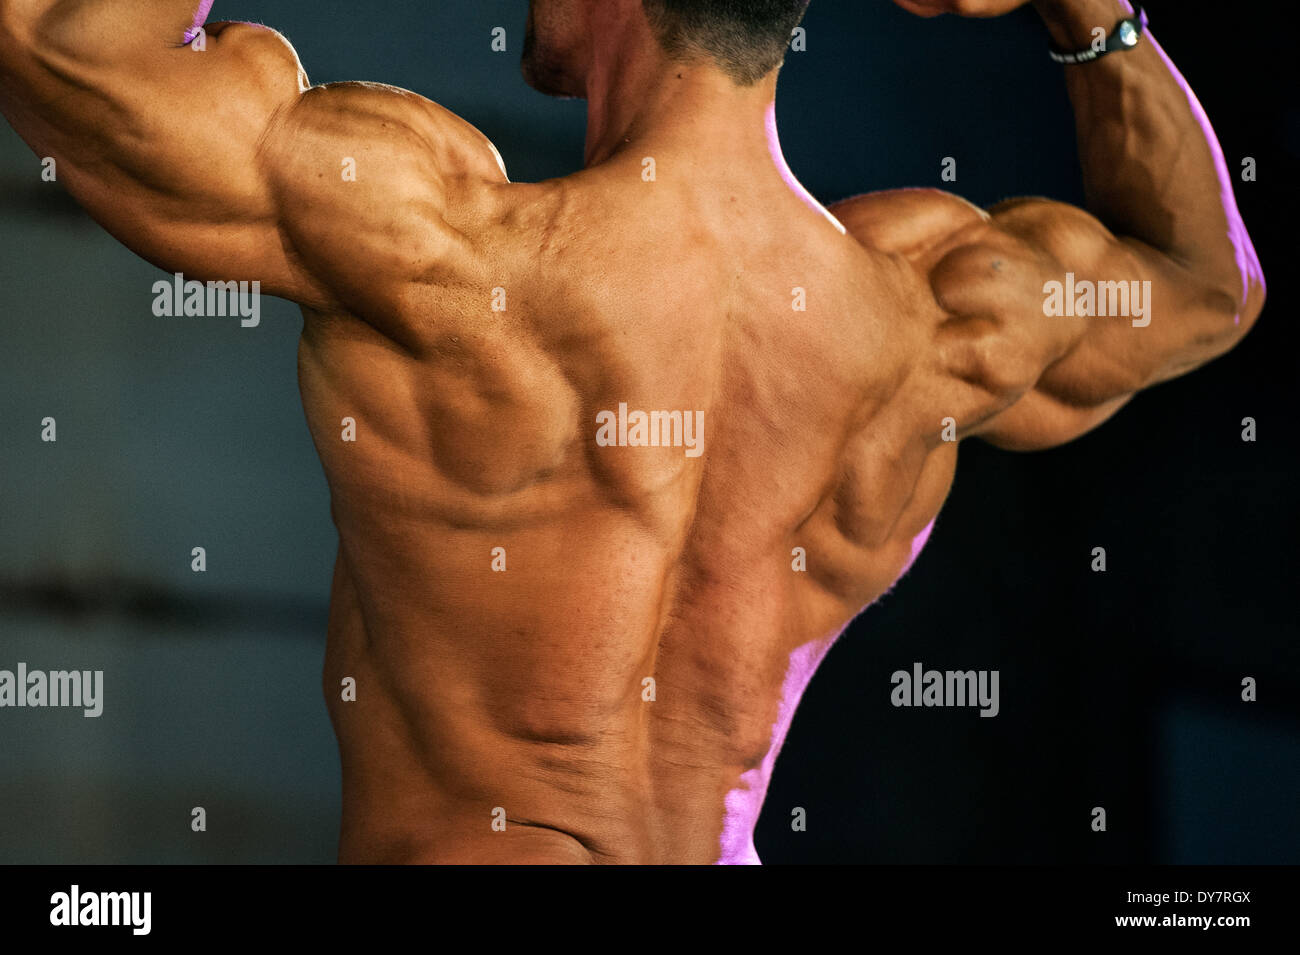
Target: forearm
(28, 22)
(87, 81)
(157, 140)
(50, 48)
(1153, 169)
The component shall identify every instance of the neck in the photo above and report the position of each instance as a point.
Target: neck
(640, 100)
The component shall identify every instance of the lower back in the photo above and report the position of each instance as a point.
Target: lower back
(636, 712)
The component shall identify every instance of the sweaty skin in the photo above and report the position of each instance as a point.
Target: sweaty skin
(475, 328)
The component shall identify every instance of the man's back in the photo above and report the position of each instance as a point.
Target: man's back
(614, 458)
(605, 511)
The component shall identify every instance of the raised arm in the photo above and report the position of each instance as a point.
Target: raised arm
(208, 153)
(1019, 360)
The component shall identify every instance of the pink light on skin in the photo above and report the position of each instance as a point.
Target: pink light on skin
(778, 157)
(918, 544)
(744, 803)
(200, 18)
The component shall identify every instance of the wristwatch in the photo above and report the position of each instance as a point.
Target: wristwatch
(1125, 37)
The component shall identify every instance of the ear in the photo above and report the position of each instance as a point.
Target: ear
(921, 9)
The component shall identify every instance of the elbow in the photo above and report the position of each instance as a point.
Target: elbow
(1241, 299)
(1247, 305)
(1252, 301)
(1252, 290)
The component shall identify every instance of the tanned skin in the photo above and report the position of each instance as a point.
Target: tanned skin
(476, 428)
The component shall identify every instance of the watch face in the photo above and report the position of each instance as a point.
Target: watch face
(1128, 33)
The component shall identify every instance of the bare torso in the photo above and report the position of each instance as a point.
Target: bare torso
(567, 641)
(723, 576)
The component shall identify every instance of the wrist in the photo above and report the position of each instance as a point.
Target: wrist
(1072, 23)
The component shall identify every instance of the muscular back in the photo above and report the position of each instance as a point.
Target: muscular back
(597, 640)
(508, 584)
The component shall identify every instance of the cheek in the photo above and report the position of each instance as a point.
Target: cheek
(557, 22)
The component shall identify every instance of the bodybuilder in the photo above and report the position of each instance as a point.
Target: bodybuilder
(632, 446)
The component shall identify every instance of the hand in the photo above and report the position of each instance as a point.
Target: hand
(965, 8)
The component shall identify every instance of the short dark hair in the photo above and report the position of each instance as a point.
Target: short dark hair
(746, 38)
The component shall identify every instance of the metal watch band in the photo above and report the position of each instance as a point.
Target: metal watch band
(1125, 37)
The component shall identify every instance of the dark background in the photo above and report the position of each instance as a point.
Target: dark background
(1119, 690)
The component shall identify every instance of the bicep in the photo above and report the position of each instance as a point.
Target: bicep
(222, 163)
(161, 142)
(1052, 323)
